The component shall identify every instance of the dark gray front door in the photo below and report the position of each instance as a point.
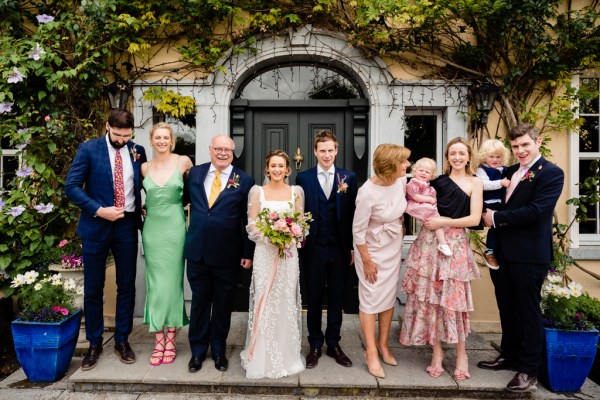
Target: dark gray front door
(292, 132)
(267, 125)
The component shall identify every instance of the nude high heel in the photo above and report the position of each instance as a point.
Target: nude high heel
(388, 360)
(377, 373)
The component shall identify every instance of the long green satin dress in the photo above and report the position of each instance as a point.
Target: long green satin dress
(163, 238)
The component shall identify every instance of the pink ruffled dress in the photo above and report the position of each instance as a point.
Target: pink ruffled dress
(438, 286)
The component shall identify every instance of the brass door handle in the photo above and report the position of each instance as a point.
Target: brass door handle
(298, 158)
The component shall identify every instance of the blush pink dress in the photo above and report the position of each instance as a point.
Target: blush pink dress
(417, 209)
(439, 287)
(378, 224)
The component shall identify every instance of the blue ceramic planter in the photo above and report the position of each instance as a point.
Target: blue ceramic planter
(569, 358)
(45, 349)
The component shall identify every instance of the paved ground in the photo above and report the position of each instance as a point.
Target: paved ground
(113, 380)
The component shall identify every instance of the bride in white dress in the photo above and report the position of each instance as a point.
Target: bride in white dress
(273, 340)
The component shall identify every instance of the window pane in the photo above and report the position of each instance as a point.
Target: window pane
(590, 85)
(299, 82)
(589, 137)
(420, 138)
(185, 130)
(8, 166)
(591, 225)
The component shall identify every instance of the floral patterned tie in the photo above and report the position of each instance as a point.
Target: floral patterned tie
(119, 186)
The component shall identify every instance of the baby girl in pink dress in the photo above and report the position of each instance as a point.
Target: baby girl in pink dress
(422, 198)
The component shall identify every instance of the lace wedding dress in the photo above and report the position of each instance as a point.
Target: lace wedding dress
(274, 350)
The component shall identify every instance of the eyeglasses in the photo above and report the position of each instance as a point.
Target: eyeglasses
(126, 137)
(222, 150)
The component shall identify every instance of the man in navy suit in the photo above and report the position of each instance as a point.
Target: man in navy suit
(216, 245)
(327, 254)
(104, 182)
(524, 251)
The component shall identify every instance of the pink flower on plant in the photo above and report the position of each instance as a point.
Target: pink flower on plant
(63, 243)
(56, 308)
(47, 118)
(64, 311)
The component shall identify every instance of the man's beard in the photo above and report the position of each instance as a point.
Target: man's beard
(115, 144)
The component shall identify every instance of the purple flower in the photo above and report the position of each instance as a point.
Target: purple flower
(22, 145)
(2, 203)
(23, 172)
(36, 52)
(5, 107)
(15, 76)
(42, 19)
(44, 208)
(16, 211)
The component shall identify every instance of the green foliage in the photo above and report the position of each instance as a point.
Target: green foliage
(566, 306)
(170, 102)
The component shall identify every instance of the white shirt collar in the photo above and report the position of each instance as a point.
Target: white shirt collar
(226, 171)
(330, 172)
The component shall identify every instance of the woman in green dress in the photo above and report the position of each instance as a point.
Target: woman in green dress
(163, 238)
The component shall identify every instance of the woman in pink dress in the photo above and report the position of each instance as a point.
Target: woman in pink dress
(377, 231)
(438, 287)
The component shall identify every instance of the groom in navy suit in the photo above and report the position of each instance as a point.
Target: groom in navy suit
(104, 182)
(216, 245)
(327, 255)
(524, 251)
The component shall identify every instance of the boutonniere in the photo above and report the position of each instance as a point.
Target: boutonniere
(342, 185)
(234, 181)
(529, 175)
(134, 153)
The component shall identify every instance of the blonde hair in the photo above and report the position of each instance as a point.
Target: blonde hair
(428, 163)
(470, 169)
(387, 157)
(164, 125)
(492, 146)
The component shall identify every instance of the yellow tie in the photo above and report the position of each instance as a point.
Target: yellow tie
(215, 189)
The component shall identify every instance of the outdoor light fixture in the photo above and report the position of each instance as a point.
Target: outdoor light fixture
(485, 96)
(118, 93)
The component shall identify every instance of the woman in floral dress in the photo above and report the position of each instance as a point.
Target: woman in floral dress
(438, 287)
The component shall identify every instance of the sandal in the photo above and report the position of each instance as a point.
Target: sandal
(169, 358)
(434, 372)
(461, 374)
(158, 353)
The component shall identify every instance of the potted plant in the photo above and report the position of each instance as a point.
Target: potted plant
(46, 331)
(71, 264)
(571, 338)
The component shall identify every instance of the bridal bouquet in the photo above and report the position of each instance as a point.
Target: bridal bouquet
(284, 229)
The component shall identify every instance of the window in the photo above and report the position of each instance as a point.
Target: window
(185, 130)
(423, 136)
(9, 163)
(588, 149)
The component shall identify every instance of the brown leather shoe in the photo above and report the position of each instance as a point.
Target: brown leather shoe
(340, 358)
(124, 352)
(312, 358)
(498, 364)
(490, 261)
(91, 358)
(522, 383)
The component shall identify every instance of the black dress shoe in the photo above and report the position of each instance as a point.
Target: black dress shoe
(125, 353)
(340, 358)
(522, 383)
(221, 363)
(195, 363)
(91, 358)
(312, 358)
(498, 364)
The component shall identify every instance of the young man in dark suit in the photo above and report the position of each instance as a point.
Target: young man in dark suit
(104, 182)
(524, 251)
(215, 247)
(327, 256)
